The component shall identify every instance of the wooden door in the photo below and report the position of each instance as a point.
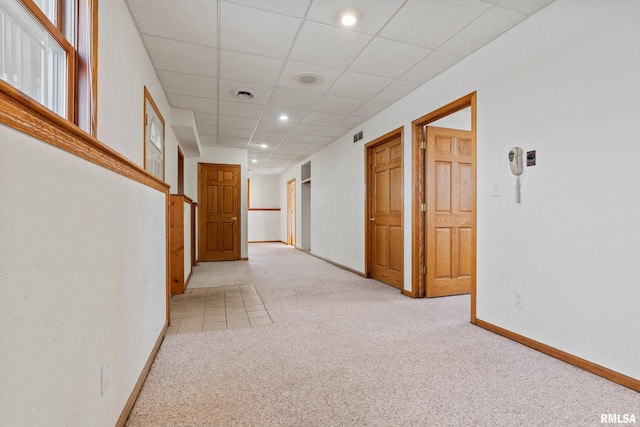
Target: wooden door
(385, 200)
(219, 189)
(291, 212)
(450, 188)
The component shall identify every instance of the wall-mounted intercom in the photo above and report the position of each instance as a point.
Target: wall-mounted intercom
(515, 161)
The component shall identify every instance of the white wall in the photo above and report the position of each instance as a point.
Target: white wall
(82, 265)
(565, 83)
(265, 191)
(264, 225)
(223, 155)
(83, 281)
(124, 69)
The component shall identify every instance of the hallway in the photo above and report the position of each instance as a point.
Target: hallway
(344, 350)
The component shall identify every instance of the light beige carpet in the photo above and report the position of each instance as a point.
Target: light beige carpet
(347, 351)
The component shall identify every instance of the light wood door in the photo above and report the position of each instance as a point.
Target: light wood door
(291, 212)
(219, 187)
(450, 246)
(385, 200)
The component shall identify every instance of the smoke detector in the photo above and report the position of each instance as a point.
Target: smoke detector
(308, 79)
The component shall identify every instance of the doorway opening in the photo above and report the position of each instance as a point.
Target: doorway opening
(291, 212)
(305, 207)
(444, 202)
(180, 171)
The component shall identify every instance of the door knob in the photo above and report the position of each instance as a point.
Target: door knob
(234, 218)
(372, 219)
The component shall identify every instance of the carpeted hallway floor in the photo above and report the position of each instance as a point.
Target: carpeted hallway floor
(348, 351)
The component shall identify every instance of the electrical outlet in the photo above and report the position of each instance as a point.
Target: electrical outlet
(517, 299)
(105, 376)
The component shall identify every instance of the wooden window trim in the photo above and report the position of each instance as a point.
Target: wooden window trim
(86, 80)
(82, 61)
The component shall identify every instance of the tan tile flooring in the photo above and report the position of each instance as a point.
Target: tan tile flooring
(223, 307)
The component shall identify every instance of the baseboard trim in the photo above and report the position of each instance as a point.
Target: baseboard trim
(126, 411)
(186, 282)
(344, 267)
(264, 241)
(576, 361)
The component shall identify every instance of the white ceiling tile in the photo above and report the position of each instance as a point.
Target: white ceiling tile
(429, 23)
(238, 122)
(338, 104)
(484, 29)
(199, 105)
(388, 58)
(187, 84)
(352, 121)
(297, 146)
(208, 140)
(208, 130)
(396, 90)
(283, 150)
(286, 7)
(292, 69)
(375, 13)
(311, 130)
(240, 109)
(207, 119)
(280, 155)
(265, 135)
(273, 113)
(431, 66)
(249, 68)
(172, 55)
(276, 126)
(193, 21)
(371, 108)
(256, 31)
(255, 154)
(229, 87)
(336, 132)
(310, 139)
(361, 86)
(235, 133)
(528, 7)
(323, 119)
(294, 98)
(328, 46)
(233, 142)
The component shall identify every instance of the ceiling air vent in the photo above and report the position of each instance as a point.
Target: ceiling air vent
(357, 136)
(244, 94)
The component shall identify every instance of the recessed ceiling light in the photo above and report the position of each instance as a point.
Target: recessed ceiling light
(349, 17)
(254, 161)
(284, 117)
(244, 94)
(264, 146)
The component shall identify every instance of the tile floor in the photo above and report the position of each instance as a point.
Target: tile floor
(223, 307)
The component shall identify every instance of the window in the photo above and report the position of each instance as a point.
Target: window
(45, 52)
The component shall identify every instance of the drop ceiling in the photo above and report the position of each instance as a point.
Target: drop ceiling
(204, 51)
